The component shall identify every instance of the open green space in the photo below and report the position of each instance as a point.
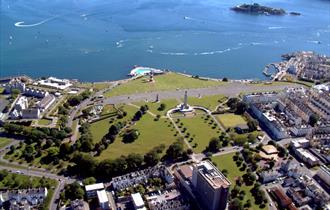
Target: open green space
(154, 107)
(230, 120)
(209, 102)
(152, 133)
(226, 162)
(101, 127)
(44, 121)
(169, 81)
(201, 129)
(95, 85)
(4, 141)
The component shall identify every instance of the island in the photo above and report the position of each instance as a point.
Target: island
(258, 9)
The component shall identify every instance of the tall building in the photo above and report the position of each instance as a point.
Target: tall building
(210, 186)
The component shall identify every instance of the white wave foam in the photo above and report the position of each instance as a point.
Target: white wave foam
(21, 23)
(314, 41)
(173, 53)
(275, 27)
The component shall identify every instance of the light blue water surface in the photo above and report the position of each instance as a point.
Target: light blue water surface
(95, 40)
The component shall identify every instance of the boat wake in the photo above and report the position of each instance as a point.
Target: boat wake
(201, 53)
(22, 25)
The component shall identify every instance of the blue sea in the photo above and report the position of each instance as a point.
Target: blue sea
(97, 40)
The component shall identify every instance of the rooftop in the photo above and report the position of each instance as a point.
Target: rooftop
(213, 176)
(97, 186)
(137, 200)
(102, 196)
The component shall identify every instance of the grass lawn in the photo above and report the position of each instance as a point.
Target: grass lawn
(230, 120)
(4, 141)
(44, 122)
(96, 86)
(153, 107)
(209, 102)
(152, 134)
(101, 127)
(200, 130)
(226, 162)
(169, 81)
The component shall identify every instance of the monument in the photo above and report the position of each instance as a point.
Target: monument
(185, 107)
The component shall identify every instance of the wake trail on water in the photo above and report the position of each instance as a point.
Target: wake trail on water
(22, 25)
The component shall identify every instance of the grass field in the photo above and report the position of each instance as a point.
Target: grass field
(230, 120)
(209, 102)
(169, 81)
(152, 134)
(101, 127)
(96, 86)
(200, 130)
(153, 107)
(44, 122)
(226, 162)
(4, 141)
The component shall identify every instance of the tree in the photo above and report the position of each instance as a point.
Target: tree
(313, 119)
(162, 107)
(73, 191)
(134, 161)
(130, 136)
(241, 107)
(151, 158)
(65, 149)
(225, 79)
(252, 124)
(89, 180)
(214, 145)
(114, 129)
(176, 151)
(236, 204)
(137, 115)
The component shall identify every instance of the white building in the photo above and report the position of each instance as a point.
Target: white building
(103, 199)
(46, 102)
(21, 104)
(53, 82)
(138, 201)
(91, 190)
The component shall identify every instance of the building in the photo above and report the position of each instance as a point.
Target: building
(31, 113)
(269, 176)
(138, 201)
(91, 190)
(24, 198)
(77, 205)
(269, 152)
(210, 185)
(283, 200)
(20, 105)
(46, 102)
(56, 83)
(167, 200)
(103, 199)
(324, 174)
(14, 84)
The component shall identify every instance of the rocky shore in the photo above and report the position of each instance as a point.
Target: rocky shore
(258, 9)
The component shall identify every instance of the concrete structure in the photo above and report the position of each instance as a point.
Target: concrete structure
(269, 152)
(210, 185)
(138, 201)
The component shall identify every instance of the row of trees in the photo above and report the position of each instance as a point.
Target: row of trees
(35, 134)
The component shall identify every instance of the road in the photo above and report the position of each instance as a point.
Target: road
(230, 90)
